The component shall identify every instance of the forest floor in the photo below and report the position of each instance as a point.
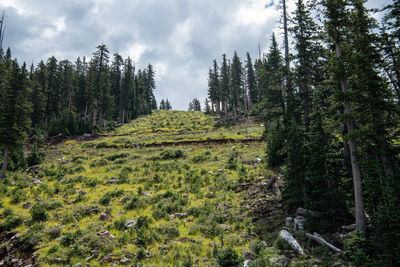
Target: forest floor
(167, 189)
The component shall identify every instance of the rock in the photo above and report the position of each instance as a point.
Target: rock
(112, 180)
(299, 223)
(16, 262)
(130, 223)
(57, 260)
(27, 205)
(86, 135)
(181, 215)
(247, 263)
(105, 233)
(89, 258)
(339, 263)
(125, 261)
(210, 172)
(288, 221)
(258, 160)
(81, 192)
(79, 264)
(282, 261)
(225, 227)
(248, 255)
(302, 212)
(33, 168)
(37, 182)
(220, 170)
(286, 236)
(147, 194)
(350, 227)
(103, 216)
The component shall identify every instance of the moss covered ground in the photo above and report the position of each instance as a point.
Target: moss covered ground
(119, 199)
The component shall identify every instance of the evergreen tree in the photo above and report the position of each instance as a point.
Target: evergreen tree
(251, 82)
(14, 109)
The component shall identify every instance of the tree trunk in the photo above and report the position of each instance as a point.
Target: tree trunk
(94, 112)
(355, 166)
(5, 161)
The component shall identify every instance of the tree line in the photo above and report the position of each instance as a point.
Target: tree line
(331, 113)
(70, 98)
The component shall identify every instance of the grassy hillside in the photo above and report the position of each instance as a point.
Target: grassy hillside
(165, 190)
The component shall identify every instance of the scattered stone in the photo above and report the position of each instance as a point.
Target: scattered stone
(33, 168)
(210, 172)
(220, 170)
(248, 255)
(350, 227)
(37, 182)
(233, 147)
(339, 263)
(299, 223)
(81, 192)
(283, 261)
(89, 258)
(103, 216)
(302, 212)
(288, 221)
(112, 180)
(105, 233)
(258, 160)
(225, 227)
(125, 261)
(181, 215)
(147, 194)
(247, 263)
(79, 264)
(130, 223)
(27, 205)
(57, 260)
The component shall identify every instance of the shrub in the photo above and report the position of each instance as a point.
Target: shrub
(38, 212)
(229, 257)
(32, 237)
(169, 230)
(117, 156)
(140, 254)
(120, 224)
(54, 232)
(172, 154)
(12, 222)
(143, 222)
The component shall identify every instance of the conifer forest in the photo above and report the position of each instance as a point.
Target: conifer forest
(289, 156)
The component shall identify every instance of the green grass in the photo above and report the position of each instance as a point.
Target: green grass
(185, 208)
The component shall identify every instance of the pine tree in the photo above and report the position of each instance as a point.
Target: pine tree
(162, 104)
(224, 85)
(337, 19)
(251, 82)
(115, 83)
(167, 105)
(14, 109)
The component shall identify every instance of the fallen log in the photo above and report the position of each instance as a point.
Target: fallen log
(285, 235)
(320, 240)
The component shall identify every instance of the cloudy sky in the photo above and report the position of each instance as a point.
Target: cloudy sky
(179, 37)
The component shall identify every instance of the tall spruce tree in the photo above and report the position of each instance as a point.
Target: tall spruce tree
(14, 109)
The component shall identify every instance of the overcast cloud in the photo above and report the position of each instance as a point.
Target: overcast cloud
(179, 37)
